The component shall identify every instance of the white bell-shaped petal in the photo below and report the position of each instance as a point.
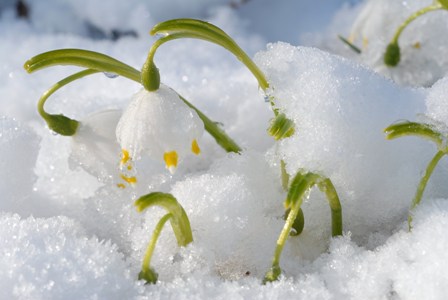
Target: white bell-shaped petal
(370, 20)
(94, 146)
(160, 124)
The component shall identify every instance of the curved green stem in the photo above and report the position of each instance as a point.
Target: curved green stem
(82, 58)
(215, 131)
(423, 182)
(179, 220)
(60, 123)
(190, 28)
(147, 273)
(302, 184)
(328, 188)
(435, 6)
(407, 128)
(57, 86)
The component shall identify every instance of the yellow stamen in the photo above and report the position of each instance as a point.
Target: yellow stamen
(125, 157)
(195, 147)
(417, 45)
(365, 42)
(131, 180)
(121, 186)
(170, 159)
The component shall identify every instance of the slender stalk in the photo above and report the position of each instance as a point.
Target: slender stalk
(215, 131)
(328, 188)
(57, 86)
(423, 182)
(152, 243)
(190, 28)
(435, 6)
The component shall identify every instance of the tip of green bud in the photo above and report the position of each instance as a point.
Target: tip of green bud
(392, 55)
(272, 275)
(148, 275)
(281, 127)
(62, 124)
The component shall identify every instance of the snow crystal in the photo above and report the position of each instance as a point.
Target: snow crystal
(51, 259)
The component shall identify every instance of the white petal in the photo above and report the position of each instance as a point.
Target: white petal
(94, 146)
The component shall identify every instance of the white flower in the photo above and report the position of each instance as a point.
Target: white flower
(371, 22)
(94, 146)
(160, 124)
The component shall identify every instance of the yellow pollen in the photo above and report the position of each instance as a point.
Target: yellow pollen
(125, 157)
(129, 167)
(131, 180)
(121, 186)
(170, 159)
(195, 147)
(417, 45)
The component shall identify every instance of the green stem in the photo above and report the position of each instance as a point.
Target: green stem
(423, 182)
(57, 86)
(215, 131)
(328, 188)
(82, 58)
(179, 221)
(190, 28)
(432, 7)
(152, 243)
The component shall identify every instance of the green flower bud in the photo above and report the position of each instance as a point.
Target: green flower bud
(299, 222)
(149, 275)
(62, 124)
(392, 55)
(281, 127)
(150, 76)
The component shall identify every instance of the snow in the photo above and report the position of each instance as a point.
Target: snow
(68, 232)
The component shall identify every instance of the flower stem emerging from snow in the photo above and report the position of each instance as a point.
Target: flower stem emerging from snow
(179, 222)
(147, 273)
(300, 186)
(426, 131)
(392, 54)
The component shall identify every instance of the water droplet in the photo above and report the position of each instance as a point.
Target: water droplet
(110, 75)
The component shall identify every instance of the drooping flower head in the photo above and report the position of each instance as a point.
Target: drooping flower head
(159, 124)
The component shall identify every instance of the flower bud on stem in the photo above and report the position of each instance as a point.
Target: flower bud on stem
(392, 54)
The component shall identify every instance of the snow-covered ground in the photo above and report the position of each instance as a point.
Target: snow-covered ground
(68, 232)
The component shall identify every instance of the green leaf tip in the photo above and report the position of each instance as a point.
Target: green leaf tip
(392, 55)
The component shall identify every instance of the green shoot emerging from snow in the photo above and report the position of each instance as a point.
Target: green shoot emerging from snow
(428, 132)
(392, 55)
(300, 187)
(179, 222)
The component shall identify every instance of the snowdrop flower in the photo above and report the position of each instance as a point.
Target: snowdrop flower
(372, 18)
(160, 124)
(94, 146)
